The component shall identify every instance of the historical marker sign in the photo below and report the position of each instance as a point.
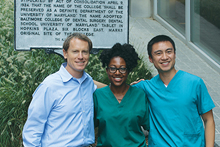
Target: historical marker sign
(47, 23)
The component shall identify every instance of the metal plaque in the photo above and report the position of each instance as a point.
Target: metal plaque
(45, 24)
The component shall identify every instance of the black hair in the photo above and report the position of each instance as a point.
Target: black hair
(156, 39)
(125, 51)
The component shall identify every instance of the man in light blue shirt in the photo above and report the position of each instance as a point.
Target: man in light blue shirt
(61, 111)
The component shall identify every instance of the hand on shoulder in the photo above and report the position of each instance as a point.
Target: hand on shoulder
(135, 82)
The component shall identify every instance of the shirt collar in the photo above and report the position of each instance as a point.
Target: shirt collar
(66, 76)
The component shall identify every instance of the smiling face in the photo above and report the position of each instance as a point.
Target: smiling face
(77, 57)
(117, 79)
(163, 56)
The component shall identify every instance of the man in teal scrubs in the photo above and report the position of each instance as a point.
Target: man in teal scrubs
(179, 102)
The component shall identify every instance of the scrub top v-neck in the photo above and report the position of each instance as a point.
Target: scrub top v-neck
(120, 123)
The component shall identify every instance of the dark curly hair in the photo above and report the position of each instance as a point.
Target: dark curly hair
(125, 51)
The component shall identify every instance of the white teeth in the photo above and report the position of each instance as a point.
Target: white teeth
(165, 63)
(117, 78)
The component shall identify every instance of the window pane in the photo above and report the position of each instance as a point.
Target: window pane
(173, 11)
(205, 29)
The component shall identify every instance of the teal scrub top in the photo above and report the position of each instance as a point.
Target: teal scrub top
(119, 124)
(175, 110)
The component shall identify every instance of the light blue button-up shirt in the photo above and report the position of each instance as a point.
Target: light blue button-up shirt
(61, 112)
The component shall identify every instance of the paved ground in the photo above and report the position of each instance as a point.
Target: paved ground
(141, 30)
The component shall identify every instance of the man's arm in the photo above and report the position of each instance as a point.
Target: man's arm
(135, 82)
(209, 128)
(99, 84)
(38, 112)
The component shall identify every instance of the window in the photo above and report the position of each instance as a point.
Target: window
(173, 11)
(205, 26)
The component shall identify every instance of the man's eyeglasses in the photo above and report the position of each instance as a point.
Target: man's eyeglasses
(114, 69)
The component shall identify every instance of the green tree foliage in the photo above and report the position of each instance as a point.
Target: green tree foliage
(22, 71)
